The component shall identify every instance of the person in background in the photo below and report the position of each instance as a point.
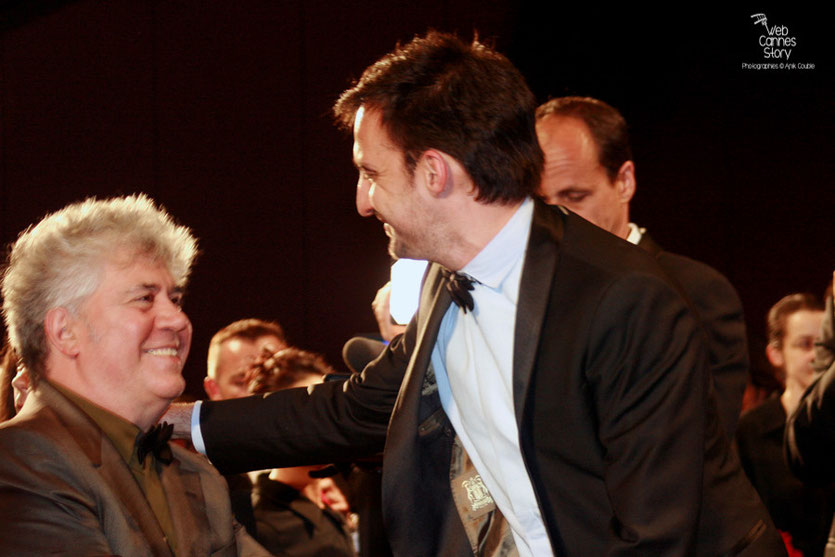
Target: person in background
(292, 513)
(801, 513)
(589, 169)
(233, 350)
(14, 383)
(810, 431)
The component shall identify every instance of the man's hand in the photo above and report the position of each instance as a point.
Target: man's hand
(179, 415)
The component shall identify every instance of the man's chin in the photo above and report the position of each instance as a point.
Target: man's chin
(399, 250)
(170, 388)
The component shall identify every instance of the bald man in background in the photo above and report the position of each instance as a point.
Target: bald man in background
(589, 170)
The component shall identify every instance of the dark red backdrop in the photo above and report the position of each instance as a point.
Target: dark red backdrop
(220, 111)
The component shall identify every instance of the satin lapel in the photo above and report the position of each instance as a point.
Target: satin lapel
(404, 466)
(111, 467)
(116, 473)
(182, 489)
(534, 289)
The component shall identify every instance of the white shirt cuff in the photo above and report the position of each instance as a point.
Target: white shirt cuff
(196, 435)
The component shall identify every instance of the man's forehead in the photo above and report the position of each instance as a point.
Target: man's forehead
(804, 321)
(141, 273)
(566, 133)
(240, 343)
(370, 132)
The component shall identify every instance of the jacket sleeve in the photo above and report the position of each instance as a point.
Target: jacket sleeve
(647, 371)
(330, 422)
(43, 511)
(719, 311)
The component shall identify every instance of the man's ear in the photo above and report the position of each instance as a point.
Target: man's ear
(775, 355)
(625, 182)
(59, 327)
(211, 387)
(435, 171)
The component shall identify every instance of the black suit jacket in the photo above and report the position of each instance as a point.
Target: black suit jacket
(719, 311)
(610, 389)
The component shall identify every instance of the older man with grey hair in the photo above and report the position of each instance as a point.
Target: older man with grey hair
(92, 302)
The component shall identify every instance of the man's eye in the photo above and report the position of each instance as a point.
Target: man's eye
(807, 344)
(575, 196)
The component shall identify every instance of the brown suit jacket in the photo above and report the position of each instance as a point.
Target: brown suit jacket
(64, 489)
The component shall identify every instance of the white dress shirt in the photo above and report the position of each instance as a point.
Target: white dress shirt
(635, 233)
(473, 363)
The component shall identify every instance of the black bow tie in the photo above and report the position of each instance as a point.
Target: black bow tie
(459, 287)
(155, 441)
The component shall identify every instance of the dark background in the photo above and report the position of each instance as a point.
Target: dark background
(220, 111)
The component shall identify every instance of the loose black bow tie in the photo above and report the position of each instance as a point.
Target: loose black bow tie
(155, 441)
(459, 287)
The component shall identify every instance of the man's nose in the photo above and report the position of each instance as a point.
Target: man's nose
(172, 316)
(364, 207)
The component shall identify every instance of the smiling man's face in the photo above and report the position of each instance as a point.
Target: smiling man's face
(387, 190)
(132, 335)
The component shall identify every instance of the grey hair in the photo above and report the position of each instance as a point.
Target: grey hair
(60, 261)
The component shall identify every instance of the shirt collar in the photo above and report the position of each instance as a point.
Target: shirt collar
(120, 431)
(635, 233)
(493, 263)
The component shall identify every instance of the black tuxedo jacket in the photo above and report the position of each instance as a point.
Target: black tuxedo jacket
(719, 310)
(610, 390)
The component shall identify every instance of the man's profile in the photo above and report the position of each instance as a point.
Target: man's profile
(552, 376)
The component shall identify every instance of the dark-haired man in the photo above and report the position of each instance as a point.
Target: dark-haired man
(557, 406)
(589, 169)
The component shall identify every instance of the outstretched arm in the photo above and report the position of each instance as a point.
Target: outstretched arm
(329, 422)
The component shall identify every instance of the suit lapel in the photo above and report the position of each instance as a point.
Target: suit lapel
(418, 446)
(434, 301)
(534, 289)
(182, 487)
